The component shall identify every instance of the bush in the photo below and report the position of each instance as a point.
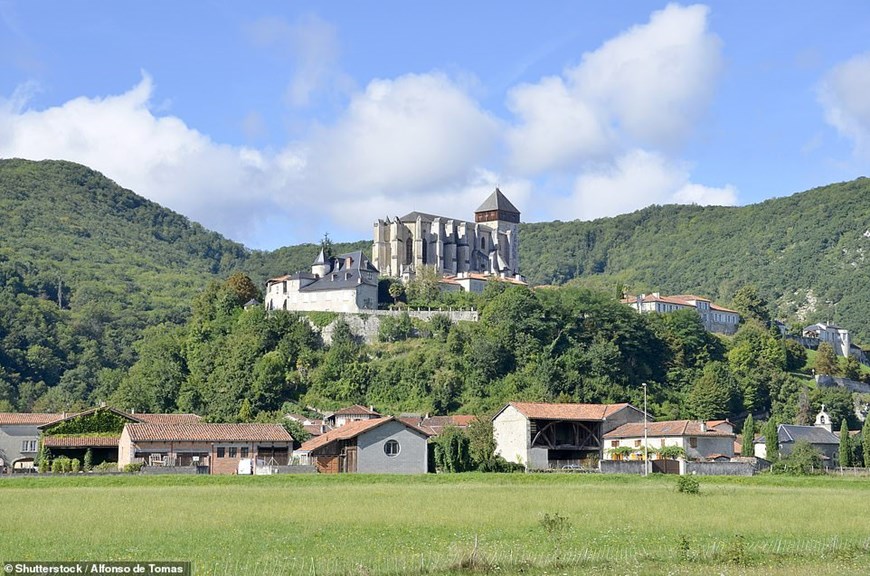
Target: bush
(61, 465)
(89, 460)
(688, 485)
(803, 460)
(133, 467)
(75, 466)
(499, 464)
(106, 467)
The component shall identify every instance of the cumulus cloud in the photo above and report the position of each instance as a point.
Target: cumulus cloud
(843, 95)
(159, 157)
(414, 136)
(615, 119)
(634, 180)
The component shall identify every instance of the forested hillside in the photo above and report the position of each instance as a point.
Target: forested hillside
(806, 253)
(107, 296)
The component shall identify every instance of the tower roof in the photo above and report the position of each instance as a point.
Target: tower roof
(497, 201)
(321, 258)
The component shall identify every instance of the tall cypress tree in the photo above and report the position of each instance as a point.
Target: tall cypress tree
(845, 446)
(865, 435)
(747, 448)
(771, 440)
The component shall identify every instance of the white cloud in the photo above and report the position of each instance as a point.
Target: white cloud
(414, 140)
(403, 137)
(312, 46)
(615, 120)
(843, 95)
(634, 180)
(225, 188)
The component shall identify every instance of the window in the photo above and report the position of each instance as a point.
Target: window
(221, 452)
(233, 452)
(693, 442)
(244, 452)
(614, 443)
(637, 443)
(391, 448)
(28, 446)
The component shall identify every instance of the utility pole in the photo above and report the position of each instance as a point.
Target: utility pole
(645, 434)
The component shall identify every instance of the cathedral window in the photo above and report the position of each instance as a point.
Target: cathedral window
(409, 250)
(425, 251)
(483, 243)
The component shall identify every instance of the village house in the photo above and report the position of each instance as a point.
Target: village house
(820, 436)
(541, 436)
(711, 440)
(714, 317)
(19, 439)
(377, 446)
(350, 414)
(98, 430)
(434, 425)
(344, 283)
(837, 337)
(217, 448)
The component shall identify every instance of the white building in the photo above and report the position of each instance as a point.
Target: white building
(837, 337)
(714, 317)
(697, 439)
(345, 283)
(542, 435)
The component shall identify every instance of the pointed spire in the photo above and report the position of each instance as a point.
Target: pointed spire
(321, 258)
(498, 201)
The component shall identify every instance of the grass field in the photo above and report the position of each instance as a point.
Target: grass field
(444, 524)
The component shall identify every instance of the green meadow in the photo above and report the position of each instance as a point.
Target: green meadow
(444, 524)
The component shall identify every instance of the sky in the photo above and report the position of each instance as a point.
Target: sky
(274, 123)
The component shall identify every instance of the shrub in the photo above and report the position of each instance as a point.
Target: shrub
(803, 460)
(133, 467)
(89, 460)
(499, 464)
(688, 485)
(75, 466)
(106, 467)
(56, 466)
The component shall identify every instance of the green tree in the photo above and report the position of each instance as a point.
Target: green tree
(481, 440)
(714, 394)
(865, 440)
(845, 446)
(88, 460)
(851, 368)
(452, 452)
(396, 291)
(243, 287)
(771, 440)
(747, 448)
(804, 459)
(246, 413)
(795, 355)
(826, 360)
(749, 303)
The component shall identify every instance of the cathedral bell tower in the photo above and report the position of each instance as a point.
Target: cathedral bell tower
(503, 220)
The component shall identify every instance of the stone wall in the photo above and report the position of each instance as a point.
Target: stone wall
(621, 467)
(826, 381)
(718, 469)
(365, 325)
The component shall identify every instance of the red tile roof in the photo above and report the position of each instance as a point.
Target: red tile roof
(547, 411)
(665, 428)
(168, 418)
(201, 432)
(80, 441)
(355, 410)
(352, 430)
(434, 425)
(25, 418)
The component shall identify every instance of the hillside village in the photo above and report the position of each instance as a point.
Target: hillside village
(450, 262)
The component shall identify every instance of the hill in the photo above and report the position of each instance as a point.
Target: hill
(806, 252)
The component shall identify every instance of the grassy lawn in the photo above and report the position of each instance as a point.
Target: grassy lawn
(444, 524)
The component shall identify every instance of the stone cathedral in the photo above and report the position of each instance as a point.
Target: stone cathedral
(489, 245)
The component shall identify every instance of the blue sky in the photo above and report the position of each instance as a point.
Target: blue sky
(274, 122)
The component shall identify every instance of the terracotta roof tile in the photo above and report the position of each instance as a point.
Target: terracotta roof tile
(352, 430)
(665, 428)
(168, 418)
(354, 410)
(25, 418)
(202, 432)
(80, 441)
(546, 411)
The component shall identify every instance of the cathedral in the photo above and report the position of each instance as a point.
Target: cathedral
(489, 245)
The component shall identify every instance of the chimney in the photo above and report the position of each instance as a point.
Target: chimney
(703, 426)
